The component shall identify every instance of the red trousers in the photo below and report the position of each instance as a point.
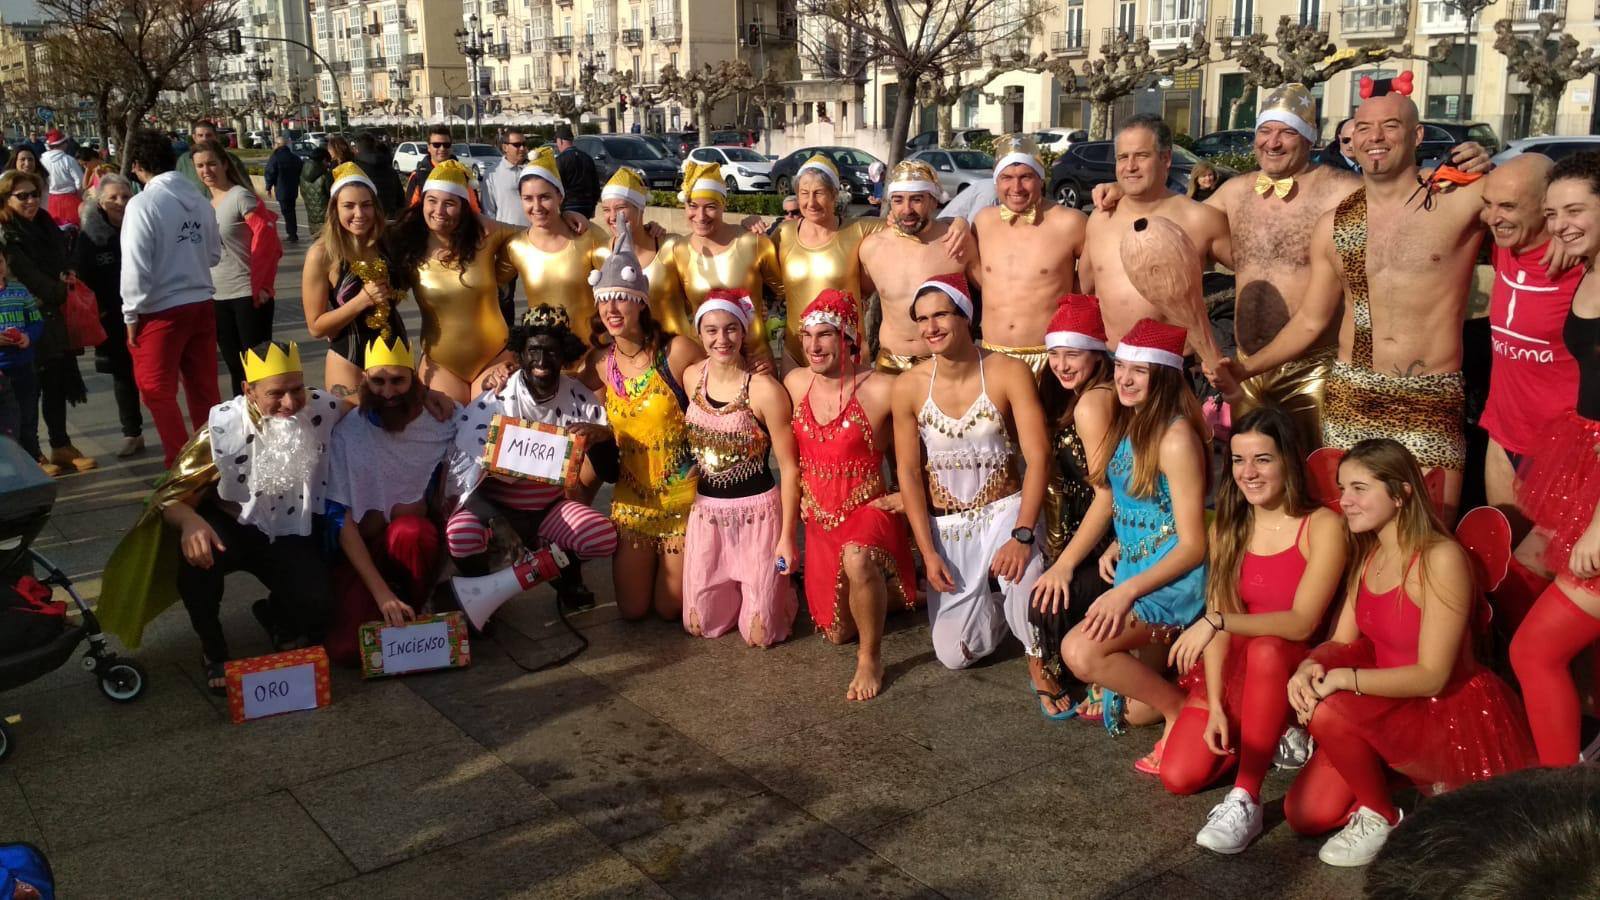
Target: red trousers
(172, 345)
(408, 557)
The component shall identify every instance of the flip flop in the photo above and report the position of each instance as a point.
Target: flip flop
(1070, 712)
(1090, 700)
(1150, 763)
(213, 671)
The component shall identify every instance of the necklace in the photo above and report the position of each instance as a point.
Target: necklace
(616, 344)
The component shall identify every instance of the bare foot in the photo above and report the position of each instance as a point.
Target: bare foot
(868, 679)
(1057, 700)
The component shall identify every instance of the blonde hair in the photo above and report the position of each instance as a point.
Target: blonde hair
(338, 243)
(1203, 168)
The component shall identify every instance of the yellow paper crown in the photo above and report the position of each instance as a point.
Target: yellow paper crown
(449, 176)
(396, 354)
(702, 181)
(349, 173)
(542, 164)
(278, 361)
(627, 184)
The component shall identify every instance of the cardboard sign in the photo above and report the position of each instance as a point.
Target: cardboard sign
(533, 451)
(429, 643)
(278, 683)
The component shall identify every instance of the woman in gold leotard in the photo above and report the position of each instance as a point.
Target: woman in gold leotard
(719, 254)
(454, 259)
(554, 262)
(622, 203)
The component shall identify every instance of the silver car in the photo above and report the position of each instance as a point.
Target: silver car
(958, 170)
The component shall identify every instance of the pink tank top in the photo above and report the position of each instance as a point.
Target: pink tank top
(1390, 620)
(1267, 584)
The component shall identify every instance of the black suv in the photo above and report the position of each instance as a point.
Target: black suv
(1090, 163)
(1234, 140)
(610, 151)
(1439, 137)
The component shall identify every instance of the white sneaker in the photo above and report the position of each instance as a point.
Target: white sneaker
(1294, 748)
(1232, 824)
(1359, 841)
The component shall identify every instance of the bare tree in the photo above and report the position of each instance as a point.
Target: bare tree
(768, 93)
(703, 88)
(1125, 65)
(1544, 64)
(596, 89)
(926, 43)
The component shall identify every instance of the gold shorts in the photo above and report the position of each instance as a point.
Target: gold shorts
(1036, 358)
(1425, 413)
(893, 363)
(1298, 388)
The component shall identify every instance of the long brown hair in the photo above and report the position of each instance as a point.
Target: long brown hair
(339, 244)
(408, 239)
(1418, 525)
(1234, 524)
(236, 176)
(1059, 402)
(1168, 397)
(8, 185)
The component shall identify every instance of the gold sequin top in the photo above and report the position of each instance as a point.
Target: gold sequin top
(808, 271)
(750, 262)
(656, 487)
(667, 303)
(561, 278)
(462, 328)
(728, 442)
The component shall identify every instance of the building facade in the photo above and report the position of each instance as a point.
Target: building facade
(389, 61)
(273, 79)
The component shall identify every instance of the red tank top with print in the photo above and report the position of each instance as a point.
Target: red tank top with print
(1267, 583)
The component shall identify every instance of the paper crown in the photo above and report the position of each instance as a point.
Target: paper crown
(281, 359)
(822, 166)
(542, 165)
(913, 176)
(836, 308)
(396, 353)
(733, 301)
(627, 184)
(450, 177)
(346, 174)
(621, 277)
(1149, 341)
(1292, 105)
(702, 181)
(546, 316)
(954, 285)
(1400, 84)
(1015, 149)
(1077, 324)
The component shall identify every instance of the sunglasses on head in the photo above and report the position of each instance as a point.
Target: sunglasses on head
(437, 145)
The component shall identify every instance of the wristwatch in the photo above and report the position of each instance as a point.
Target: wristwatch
(1022, 536)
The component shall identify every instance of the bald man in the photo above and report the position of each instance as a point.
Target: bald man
(1533, 379)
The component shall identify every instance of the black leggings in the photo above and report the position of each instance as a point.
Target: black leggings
(60, 383)
(1052, 627)
(240, 326)
(112, 358)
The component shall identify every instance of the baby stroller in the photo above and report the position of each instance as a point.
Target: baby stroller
(26, 496)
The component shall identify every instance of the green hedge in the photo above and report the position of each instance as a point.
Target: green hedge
(1239, 162)
(750, 204)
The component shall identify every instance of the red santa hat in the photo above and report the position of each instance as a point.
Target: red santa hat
(733, 301)
(1076, 325)
(954, 286)
(54, 136)
(836, 308)
(1153, 342)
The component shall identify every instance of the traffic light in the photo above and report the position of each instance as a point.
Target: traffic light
(755, 34)
(235, 42)
(622, 103)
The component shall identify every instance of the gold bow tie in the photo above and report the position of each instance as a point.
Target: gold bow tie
(1279, 186)
(1029, 215)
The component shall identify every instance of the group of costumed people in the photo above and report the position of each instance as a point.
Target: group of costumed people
(1019, 445)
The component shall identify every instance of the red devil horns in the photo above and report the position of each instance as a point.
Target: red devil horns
(1401, 84)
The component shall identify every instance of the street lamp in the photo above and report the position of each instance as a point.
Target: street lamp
(471, 42)
(588, 64)
(259, 67)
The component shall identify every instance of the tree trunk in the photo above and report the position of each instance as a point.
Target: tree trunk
(1545, 103)
(1233, 113)
(1100, 120)
(947, 129)
(899, 130)
(702, 111)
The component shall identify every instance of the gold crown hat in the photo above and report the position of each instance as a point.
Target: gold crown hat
(702, 181)
(346, 174)
(395, 353)
(627, 184)
(542, 164)
(913, 176)
(281, 359)
(822, 166)
(449, 177)
(1292, 105)
(546, 316)
(1014, 149)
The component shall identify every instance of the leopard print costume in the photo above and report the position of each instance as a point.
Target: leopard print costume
(1425, 413)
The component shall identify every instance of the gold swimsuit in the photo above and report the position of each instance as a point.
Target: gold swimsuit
(750, 262)
(667, 304)
(808, 271)
(462, 328)
(561, 278)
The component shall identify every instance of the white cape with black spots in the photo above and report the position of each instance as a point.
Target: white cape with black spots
(572, 403)
(373, 469)
(234, 440)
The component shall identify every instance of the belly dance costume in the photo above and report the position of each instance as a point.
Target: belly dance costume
(561, 278)
(750, 262)
(970, 477)
(1255, 677)
(729, 566)
(1472, 731)
(895, 363)
(351, 342)
(657, 482)
(462, 327)
(1425, 413)
(1066, 505)
(840, 475)
(808, 271)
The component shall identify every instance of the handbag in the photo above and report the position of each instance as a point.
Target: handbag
(82, 315)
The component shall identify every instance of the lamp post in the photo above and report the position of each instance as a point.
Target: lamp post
(588, 64)
(235, 45)
(471, 42)
(399, 92)
(259, 67)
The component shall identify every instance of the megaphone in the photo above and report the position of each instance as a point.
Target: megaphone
(479, 598)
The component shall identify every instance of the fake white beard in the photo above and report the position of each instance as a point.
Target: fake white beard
(286, 452)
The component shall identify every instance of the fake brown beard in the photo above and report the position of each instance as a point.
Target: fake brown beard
(393, 415)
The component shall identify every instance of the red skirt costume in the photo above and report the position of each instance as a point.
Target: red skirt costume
(1256, 675)
(840, 476)
(1472, 731)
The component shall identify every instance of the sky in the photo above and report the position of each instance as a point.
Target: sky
(19, 10)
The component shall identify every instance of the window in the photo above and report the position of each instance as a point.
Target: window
(1097, 152)
(1127, 17)
(1243, 10)
(1310, 11)
(391, 46)
(972, 159)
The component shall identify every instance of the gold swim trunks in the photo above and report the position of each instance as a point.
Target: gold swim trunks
(894, 363)
(1297, 387)
(1425, 413)
(1036, 358)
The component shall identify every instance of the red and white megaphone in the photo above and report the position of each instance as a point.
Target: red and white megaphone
(481, 597)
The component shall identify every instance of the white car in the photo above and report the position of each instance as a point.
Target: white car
(408, 155)
(1553, 146)
(480, 158)
(743, 169)
(958, 170)
(1057, 140)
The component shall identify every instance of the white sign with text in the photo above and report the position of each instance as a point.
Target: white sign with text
(279, 690)
(415, 648)
(534, 453)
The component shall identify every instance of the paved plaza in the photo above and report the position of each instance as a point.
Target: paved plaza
(653, 765)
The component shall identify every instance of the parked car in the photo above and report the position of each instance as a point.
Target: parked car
(1057, 140)
(611, 151)
(1091, 163)
(1556, 148)
(852, 165)
(660, 142)
(480, 158)
(961, 137)
(406, 156)
(957, 170)
(743, 169)
(1439, 137)
(1234, 140)
(304, 148)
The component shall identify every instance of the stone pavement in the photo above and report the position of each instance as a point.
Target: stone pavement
(653, 765)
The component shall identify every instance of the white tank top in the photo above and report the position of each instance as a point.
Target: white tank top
(968, 458)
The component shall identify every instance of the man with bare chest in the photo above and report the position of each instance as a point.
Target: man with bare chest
(1034, 245)
(897, 260)
(1144, 157)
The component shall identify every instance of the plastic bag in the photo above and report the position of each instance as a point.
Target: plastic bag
(82, 314)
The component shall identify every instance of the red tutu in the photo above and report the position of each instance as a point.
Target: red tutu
(1560, 487)
(1472, 731)
(1233, 675)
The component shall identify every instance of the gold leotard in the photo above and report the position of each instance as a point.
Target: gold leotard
(750, 262)
(667, 304)
(462, 328)
(561, 278)
(809, 271)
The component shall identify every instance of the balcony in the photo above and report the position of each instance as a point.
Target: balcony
(413, 60)
(523, 84)
(1069, 43)
(260, 19)
(632, 37)
(539, 45)
(498, 7)
(337, 4)
(525, 46)
(1439, 17)
(407, 23)
(1373, 18)
(787, 30)
(561, 85)
(1015, 47)
(339, 66)
(1237, 28)
(588, 41)
(668, 31)
(376, 61)
(562, 44)
(1524, 14)
(565, 3)
(501, 50)
(1172, 34)
(1131, 33)
(541, 84)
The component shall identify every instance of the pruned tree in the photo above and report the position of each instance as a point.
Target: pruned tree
(702, 89)
(1544, 64)
(595, 90)
(928, 44)
(768, 93)
(1124, 65)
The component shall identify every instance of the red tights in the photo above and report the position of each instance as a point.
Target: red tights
(406, 555)
(1555, 631)
(1343, 774)
(1256, 721)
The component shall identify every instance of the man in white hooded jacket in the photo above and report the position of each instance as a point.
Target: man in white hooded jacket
(169, 244)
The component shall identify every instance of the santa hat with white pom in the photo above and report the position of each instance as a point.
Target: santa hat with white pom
(621, 277)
